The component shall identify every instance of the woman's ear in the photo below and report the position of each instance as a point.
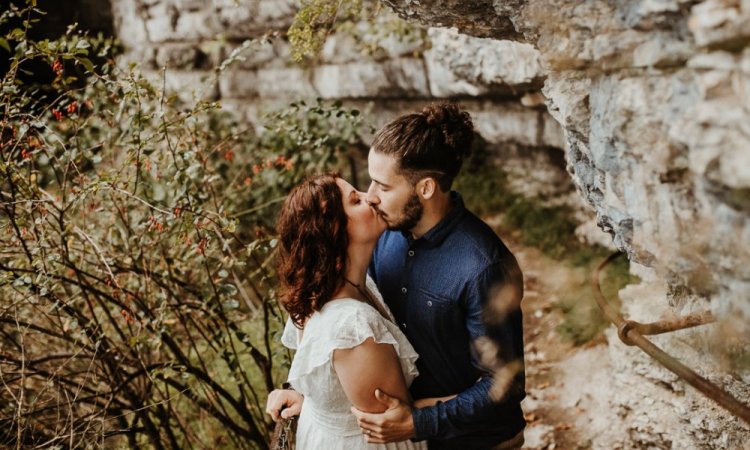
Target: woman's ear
(426, 187)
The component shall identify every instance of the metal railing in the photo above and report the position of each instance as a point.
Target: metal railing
(632, 333)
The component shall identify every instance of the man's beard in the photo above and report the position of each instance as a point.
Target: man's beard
(410, 215)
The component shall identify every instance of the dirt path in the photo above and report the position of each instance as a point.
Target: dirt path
(560, 377)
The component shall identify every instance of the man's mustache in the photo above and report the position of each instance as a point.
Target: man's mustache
(377, 210)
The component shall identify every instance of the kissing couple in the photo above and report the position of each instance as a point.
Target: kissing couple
(386, 292)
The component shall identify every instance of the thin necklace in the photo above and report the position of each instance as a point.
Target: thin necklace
(367, 298)
(359, 289)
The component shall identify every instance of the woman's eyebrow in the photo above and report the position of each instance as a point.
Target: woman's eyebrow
(352, 192)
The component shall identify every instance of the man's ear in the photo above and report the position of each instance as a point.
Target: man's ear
(426, 187)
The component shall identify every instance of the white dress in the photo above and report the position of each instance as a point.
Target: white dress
(326, 421)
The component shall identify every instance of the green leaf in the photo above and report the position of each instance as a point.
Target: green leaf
(228, 289)
(231, 304)
(87, 64)
(4, 44)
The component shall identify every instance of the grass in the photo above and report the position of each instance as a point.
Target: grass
(583, 321)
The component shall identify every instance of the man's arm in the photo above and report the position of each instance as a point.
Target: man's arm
(499, 287)
(493, 305)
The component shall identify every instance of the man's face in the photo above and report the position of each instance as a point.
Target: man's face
(391, 194)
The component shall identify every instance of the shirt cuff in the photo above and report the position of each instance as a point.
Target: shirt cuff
(425, 422)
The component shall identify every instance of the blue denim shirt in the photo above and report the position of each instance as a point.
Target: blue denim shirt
(436, 287)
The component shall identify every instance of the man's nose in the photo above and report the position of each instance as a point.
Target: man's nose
(370, 196)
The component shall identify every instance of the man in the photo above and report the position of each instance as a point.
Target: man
(437, 268)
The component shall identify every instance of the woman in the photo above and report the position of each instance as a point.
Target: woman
(347, 345)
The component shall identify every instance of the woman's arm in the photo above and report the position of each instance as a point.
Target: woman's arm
(367, 367)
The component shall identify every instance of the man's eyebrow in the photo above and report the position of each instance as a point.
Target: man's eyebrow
(381, 183)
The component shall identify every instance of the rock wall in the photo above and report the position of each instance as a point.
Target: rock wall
(498, 82)
(654, 100)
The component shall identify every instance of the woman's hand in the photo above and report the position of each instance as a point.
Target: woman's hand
(431, 401)
(284, 403)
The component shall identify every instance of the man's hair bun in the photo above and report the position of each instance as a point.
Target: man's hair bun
(454, 124)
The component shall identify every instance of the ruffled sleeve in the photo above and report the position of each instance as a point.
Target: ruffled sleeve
(345, 324)
(290, 336)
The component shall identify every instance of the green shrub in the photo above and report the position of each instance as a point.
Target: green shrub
(137, 290)
(366, 22)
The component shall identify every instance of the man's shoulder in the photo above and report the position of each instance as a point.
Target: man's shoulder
(390, 242)
(474, 234)
(391, 238)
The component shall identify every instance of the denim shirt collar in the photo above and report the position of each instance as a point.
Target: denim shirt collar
(437, 234)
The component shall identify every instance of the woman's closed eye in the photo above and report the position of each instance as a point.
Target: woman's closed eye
(355, 198)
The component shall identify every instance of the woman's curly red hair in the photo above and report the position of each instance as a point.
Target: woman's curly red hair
(313, 244)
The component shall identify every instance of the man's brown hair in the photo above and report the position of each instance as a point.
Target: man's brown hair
(431, 143)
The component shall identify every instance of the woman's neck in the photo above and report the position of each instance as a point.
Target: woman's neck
(356, 271)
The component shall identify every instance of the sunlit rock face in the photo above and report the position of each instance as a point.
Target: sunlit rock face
(653, 97)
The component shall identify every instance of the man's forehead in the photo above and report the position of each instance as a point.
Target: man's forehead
(381, 166)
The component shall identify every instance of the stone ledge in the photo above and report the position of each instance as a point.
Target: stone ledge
(398, 78)
(284, 83)
(475, 18)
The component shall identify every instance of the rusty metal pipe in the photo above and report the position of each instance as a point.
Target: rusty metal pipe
(630, 335)
(669, 325)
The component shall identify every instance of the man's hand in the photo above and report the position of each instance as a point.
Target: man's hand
(284, 403)
(393, 425)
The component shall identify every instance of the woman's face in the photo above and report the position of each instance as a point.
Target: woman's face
(364, 223)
